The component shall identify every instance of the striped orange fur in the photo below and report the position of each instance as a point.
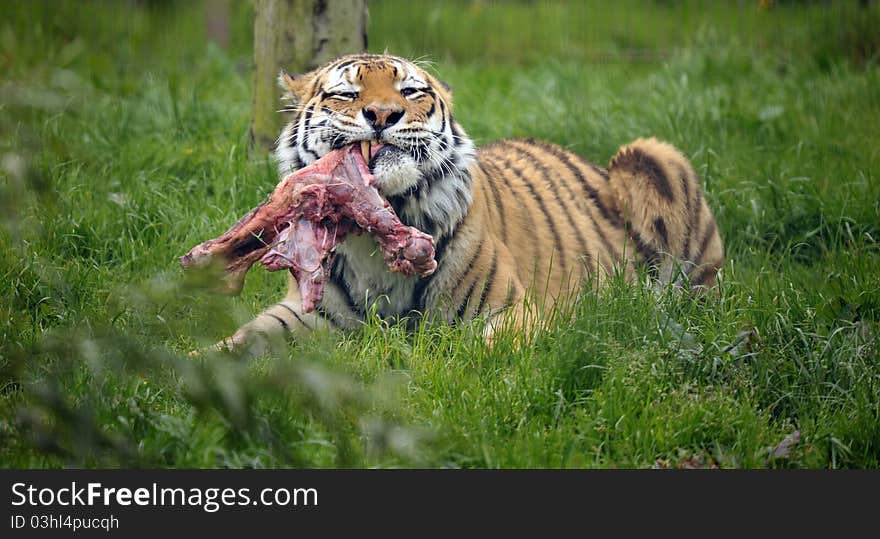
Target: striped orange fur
(509, 219)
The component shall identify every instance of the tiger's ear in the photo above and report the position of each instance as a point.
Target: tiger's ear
(445, 86)
(294, 86)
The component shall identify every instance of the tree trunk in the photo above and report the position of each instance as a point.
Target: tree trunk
(297, 35)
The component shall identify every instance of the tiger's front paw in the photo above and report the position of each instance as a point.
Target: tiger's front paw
(245, 341)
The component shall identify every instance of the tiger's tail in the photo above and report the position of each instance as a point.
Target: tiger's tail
(672, 231)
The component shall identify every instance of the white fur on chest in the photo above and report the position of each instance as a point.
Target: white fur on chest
(370, 279)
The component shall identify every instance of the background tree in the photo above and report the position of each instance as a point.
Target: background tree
(297, 35)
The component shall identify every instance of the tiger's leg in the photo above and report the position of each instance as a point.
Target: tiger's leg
(516, 315)
(517, 321)
(671, 228)
(520, 311)
(273, 323)
(524, 320)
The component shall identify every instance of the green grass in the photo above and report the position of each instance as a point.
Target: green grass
(123, 142)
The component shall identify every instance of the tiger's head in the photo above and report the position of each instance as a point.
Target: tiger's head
(418, 154)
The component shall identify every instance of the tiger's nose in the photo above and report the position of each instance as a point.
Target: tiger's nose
(381, 117)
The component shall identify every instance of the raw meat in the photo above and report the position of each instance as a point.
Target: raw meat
(306, 216)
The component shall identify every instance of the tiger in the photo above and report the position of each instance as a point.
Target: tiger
(509, 219)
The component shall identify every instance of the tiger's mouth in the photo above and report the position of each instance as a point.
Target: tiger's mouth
(369, 148)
